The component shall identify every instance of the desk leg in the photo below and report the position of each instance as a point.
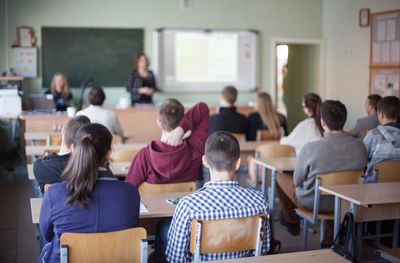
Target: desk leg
(359, 231)
(271, 197)
(264, 181)
(396, 233)
(336, 217)
(256, 177)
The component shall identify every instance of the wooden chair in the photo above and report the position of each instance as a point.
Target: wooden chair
(129, 245)
(116, 139)
(391, 254)
(227, 235)
(274, 150)
(266, 135)
(146, 188)
(335, 178)
(388, 171)
(123, 155)
(49, 151)
(241, 137)
(54, 139)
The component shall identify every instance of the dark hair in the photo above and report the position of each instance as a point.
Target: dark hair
(222, 151)
(373, 100)
(230, 94)
(313, 102)
(97, 96)
(170, 114)
(137, 57)
(334, 113)
(91, 145)
(390, 107)
(72, 127)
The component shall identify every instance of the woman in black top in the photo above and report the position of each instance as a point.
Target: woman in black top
(60, 90)
(141, 82)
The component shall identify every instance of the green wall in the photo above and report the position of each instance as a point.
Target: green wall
(272, 18)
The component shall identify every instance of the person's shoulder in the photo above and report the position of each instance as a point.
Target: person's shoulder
(127, 188)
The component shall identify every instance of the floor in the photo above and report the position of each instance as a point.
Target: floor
(18, 242)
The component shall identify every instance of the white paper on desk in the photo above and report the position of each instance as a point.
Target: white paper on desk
(395, 51)
(143, 209)
(391, 29)
(381, 34)
(376, 52)
(385, 51)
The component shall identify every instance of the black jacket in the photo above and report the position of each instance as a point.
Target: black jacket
(228, 119)
(48, 170)
(256, 123)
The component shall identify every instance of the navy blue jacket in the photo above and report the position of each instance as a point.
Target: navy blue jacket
(229, 120)
(115, 206)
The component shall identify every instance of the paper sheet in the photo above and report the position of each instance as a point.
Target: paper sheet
(391, 29)
(395, 51)
(143, 209)
(376, 52)
(379, 84)
(381, 34)
(385, 55)
(394, 80)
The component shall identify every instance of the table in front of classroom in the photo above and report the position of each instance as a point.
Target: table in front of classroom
(313, 256)
(368, 202)
(282, 164)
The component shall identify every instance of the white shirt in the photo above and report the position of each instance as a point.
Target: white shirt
(305, 132)
(108, 118)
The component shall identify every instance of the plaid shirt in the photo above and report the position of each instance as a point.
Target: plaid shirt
(135, 81)
(216, 200)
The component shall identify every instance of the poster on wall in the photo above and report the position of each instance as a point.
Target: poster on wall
(25, 61)
(385, 82)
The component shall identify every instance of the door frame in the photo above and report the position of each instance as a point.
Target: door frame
(320, 76)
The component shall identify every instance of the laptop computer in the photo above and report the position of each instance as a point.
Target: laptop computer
(42, 102)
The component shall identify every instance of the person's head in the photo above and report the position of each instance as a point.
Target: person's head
(371, 104)
(312, 108)
(96, 96)
(388, 110)
(333, 115)
(71, 128)
(141, 62)
(222, 155)
(59, 83)
(229, 96)
(91, 150)
(263, 105)
(170, 114)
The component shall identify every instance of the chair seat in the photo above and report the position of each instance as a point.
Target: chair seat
(391, 254)
(321, 216)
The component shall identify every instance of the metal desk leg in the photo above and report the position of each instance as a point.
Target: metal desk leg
(396, 233)
(336, 217)
(271, 198)
(359, 244)
(256, 177)
(264, 181)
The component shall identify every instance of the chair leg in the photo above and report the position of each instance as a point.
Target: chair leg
(359, 238)
(396, 233)
(305, 231)
(378, 233)
(322, 226)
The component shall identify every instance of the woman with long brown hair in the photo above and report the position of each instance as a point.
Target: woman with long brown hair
(309, 129)
(265, 117)
(90, 199)
(60, 90)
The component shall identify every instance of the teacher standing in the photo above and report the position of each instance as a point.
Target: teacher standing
(141, 82)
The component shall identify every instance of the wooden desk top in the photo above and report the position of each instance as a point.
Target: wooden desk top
(366, 194)
(250, 146)
(287, 164)
(313, 256)
(155, 203)
(43, 135)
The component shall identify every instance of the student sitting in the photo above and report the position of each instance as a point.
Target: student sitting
(173, 159)
(48, 170)
(337, 151)
(97, 114)
(265, 117)
(60, 90)
(383, 142)
(228, 119)
(92, 199)
(220, 198)
(309, 129)
(369, 122)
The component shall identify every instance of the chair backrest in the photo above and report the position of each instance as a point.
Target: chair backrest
(46, 187)
(339, 178)
(241, 137)
(123, 155)
(388, 171)
(274, 150)
(54, 139)
(227, 235)
(266, 135)
(146, 188)
(49, 151)
(127, 245)
(116, 139)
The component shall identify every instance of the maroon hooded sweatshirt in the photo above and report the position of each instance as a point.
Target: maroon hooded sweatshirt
(160, 163)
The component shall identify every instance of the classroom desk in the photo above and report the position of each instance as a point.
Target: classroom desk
(368, 202)
(283, 164)
(155, 203)
(313, 256)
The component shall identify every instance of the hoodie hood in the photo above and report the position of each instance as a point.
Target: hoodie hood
(391, 133)
(169, 161)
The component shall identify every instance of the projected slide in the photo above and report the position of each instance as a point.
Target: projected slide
(203, 57)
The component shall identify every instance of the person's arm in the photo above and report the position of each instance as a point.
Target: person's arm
(369, 143)
(302, 167)
(45, 219)
(133, 84)
(117, 126)
(137, 172)
(153, 81)
(267, 238)
(39, 176)
(251, 128)
(283, 124)
(358, 131)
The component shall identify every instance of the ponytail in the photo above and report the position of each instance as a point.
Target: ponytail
(313, 102)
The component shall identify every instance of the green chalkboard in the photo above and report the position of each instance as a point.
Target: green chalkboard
(104, 54)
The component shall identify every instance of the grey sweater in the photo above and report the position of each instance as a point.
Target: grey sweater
(334, 152)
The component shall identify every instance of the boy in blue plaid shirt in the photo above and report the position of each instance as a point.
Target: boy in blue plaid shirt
(220, 198)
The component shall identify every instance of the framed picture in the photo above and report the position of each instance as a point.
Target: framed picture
(364, 17)
(25, 36)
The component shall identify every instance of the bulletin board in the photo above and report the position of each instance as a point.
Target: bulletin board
(385, 53)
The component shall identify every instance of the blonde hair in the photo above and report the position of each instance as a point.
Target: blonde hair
(65, 87)
(267, 112)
